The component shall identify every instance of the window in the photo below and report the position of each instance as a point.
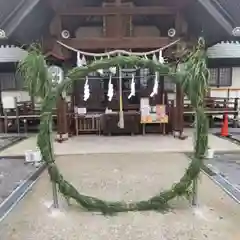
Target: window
(144, 76)
(11, 81)
(220, 77)
(169, 85)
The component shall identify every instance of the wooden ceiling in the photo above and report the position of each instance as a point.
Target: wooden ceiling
(33, 24)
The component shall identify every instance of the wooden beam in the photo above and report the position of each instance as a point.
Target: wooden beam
(118, 43)
(103, 11)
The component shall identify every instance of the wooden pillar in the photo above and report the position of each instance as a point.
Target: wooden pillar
(62, 120)
(179, 109)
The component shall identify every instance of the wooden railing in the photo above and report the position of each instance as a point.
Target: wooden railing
(24, 117)
(214, 107)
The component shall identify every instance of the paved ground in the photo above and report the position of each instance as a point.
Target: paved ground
(100, 144)
(129, 177)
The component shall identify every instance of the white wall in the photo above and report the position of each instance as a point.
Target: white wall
(19, 95)
(234, 90)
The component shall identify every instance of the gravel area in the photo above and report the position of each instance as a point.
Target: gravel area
(116, 177)
(12, 173)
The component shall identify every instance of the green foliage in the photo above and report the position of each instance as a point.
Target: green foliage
(193, 79)
(35, 73)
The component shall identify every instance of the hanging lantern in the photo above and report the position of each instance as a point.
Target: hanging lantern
(133, 90)
(110, 89)
(86, 90)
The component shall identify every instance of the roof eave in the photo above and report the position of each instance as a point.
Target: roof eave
(211, 9)
(16, 20)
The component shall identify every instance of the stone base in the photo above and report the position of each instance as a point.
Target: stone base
(61, 137)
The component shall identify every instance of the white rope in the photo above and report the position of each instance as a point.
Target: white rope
(122, 52)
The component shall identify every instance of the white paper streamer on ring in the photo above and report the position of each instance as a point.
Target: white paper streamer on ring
(86, 90)
(113, 70)
(110, 89)
(100, 71)
(133, 90)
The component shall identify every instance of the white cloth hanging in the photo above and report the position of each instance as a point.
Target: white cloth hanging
(133, 90)
(86, 90)
(155, 87)
(110, 89)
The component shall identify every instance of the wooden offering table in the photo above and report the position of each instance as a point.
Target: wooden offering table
(110, 126)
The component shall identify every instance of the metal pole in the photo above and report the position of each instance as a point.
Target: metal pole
(121, 117)
(55, 195)
(195, 192)
(54, 186)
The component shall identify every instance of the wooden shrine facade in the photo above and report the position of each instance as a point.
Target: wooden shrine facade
(109, 25)
(99, 26)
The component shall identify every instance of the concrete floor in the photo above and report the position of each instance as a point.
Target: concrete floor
(99, 144)
(130, 177)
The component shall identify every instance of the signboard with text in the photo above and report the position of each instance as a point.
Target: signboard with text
(155, 114)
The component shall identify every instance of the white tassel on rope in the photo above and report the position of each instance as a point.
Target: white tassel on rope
(155, 86)
(161, 58)
(110, 89)
(133, 90)
(86, 90)
(113, 70)
(79, 60)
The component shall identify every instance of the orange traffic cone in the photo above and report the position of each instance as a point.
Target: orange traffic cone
(224, 130)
